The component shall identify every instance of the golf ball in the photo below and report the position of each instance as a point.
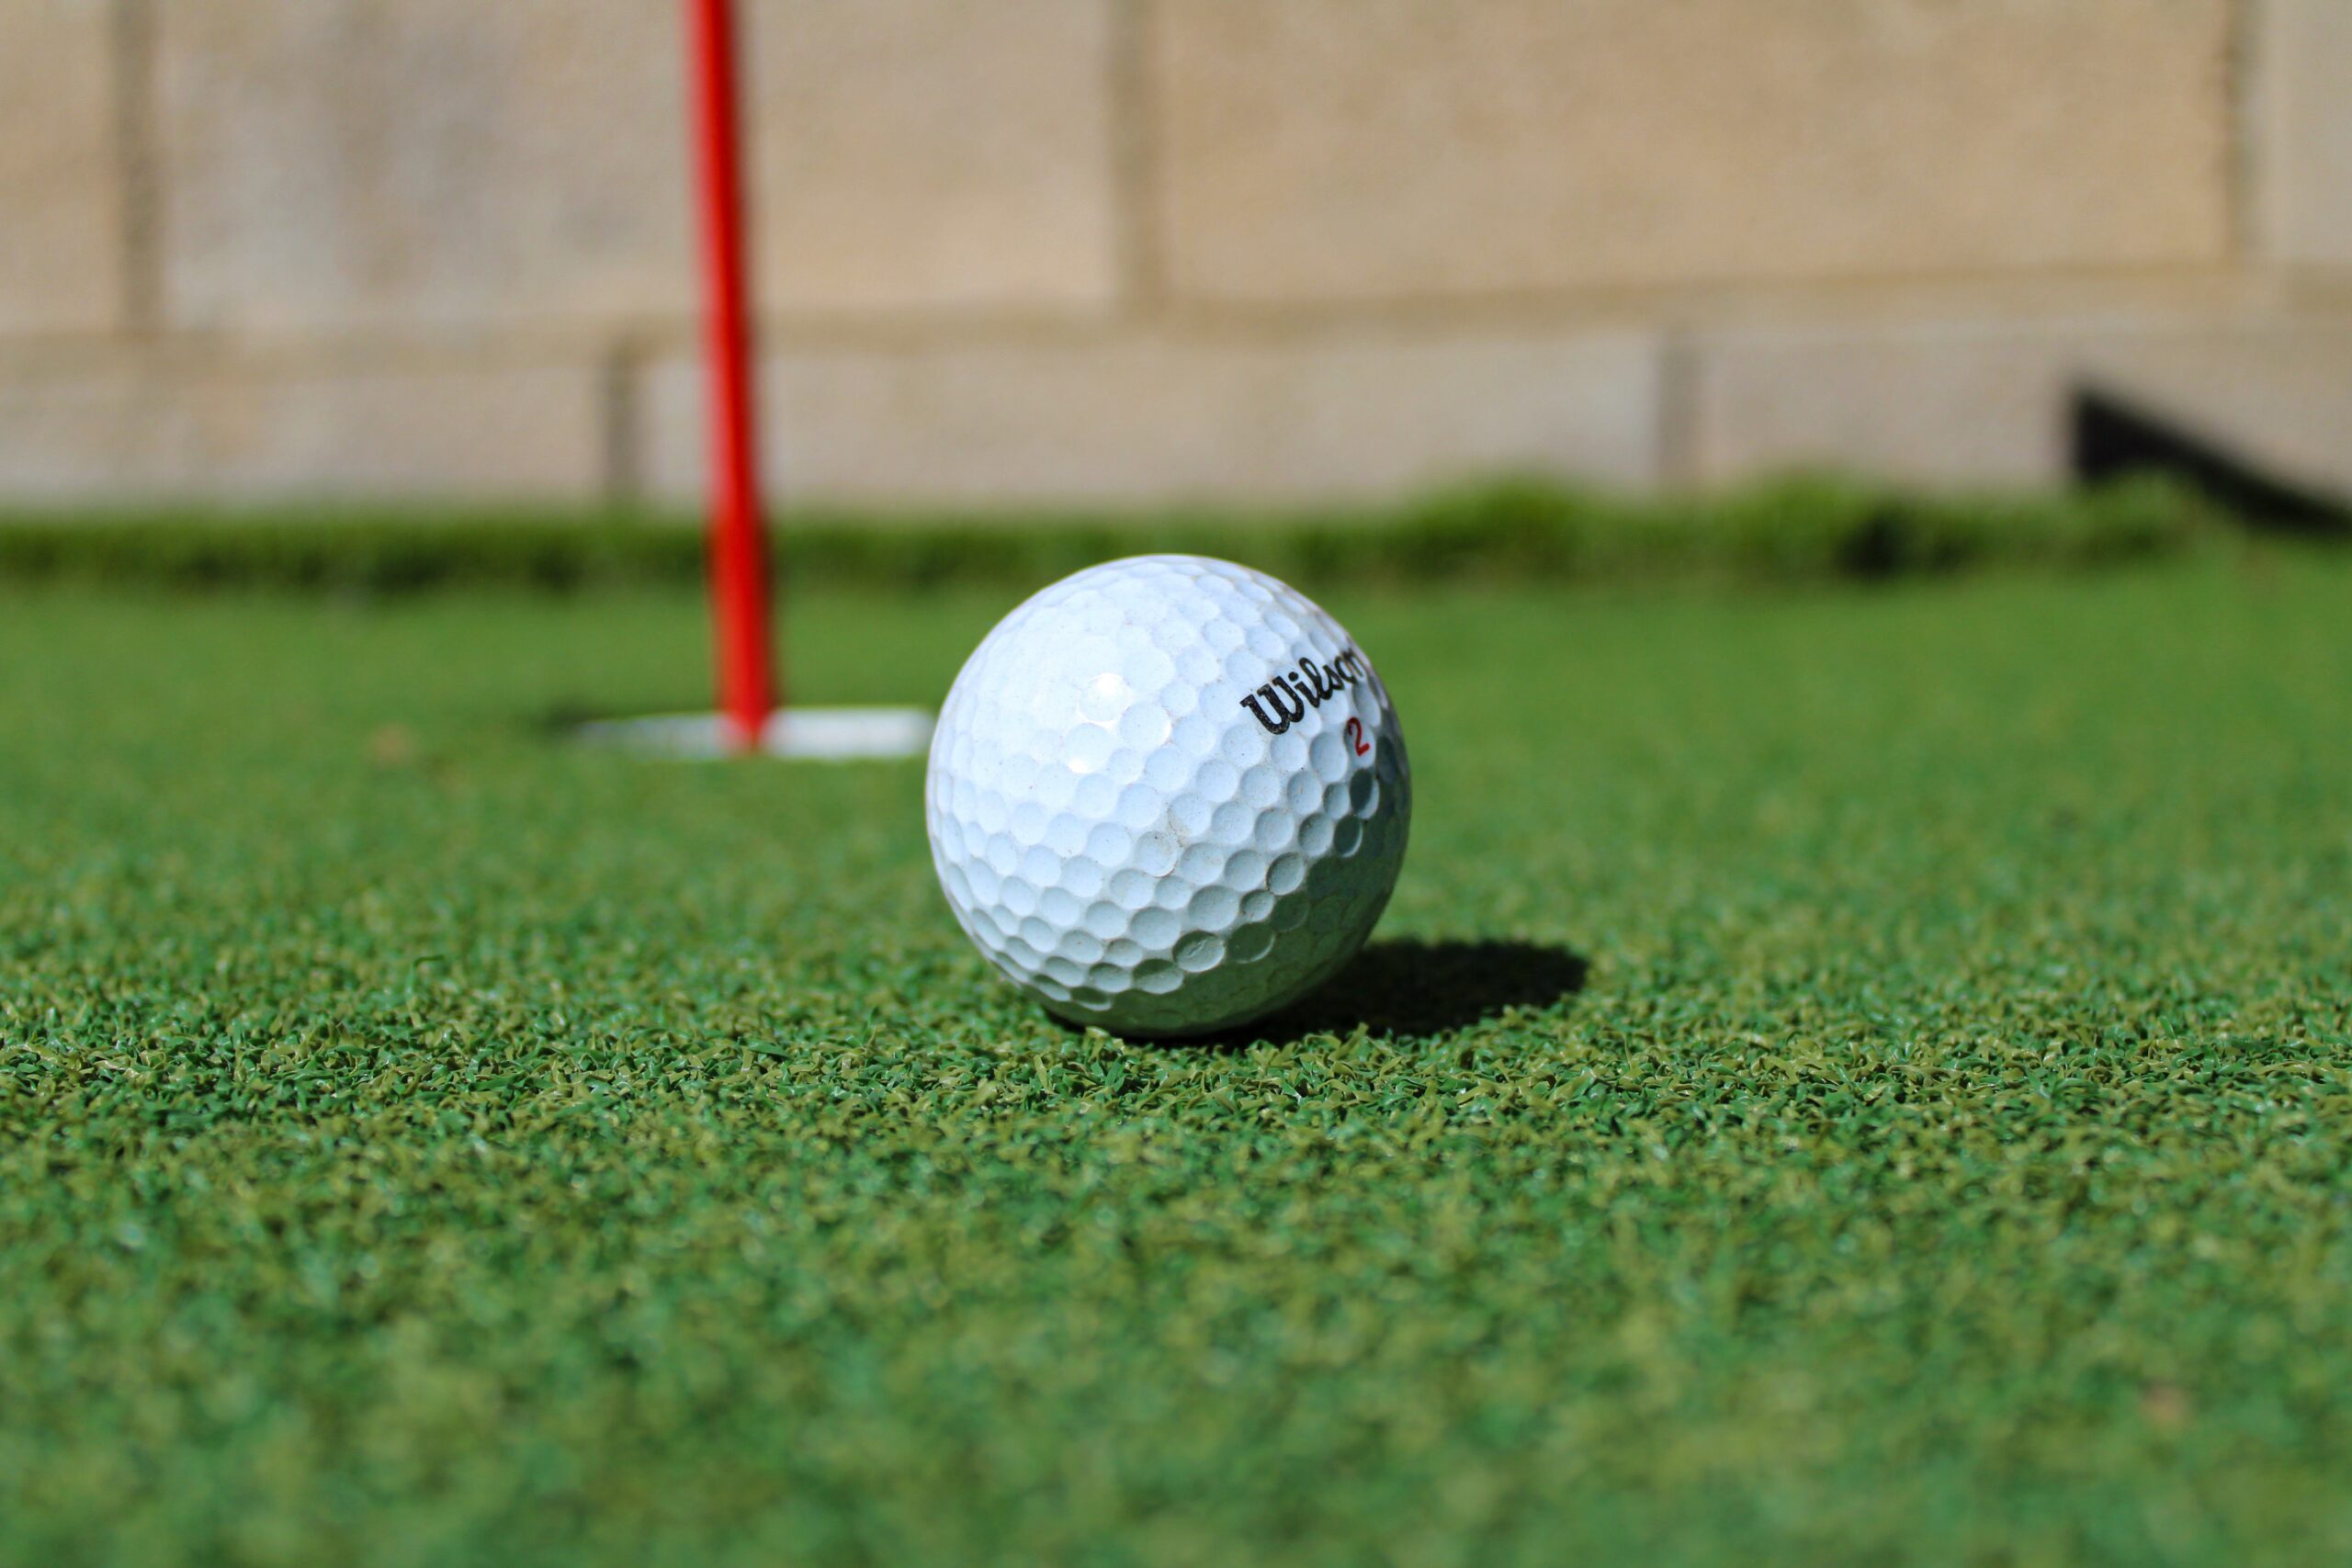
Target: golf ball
(1168, 796)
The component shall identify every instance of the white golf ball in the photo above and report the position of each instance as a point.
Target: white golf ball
(1168, 796)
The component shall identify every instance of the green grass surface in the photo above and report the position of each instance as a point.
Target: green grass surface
(1805, 528)
(421, 1143)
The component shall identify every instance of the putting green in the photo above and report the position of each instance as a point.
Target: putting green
(1846, 1075)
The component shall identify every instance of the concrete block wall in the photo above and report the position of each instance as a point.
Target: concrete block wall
(1134, 251)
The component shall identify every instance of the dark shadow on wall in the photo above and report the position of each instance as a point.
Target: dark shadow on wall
(2113, 438)
(1411, 989)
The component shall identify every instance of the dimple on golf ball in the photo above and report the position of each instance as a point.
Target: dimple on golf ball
(1168, 796)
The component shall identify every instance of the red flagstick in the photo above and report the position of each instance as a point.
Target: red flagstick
(739, 564)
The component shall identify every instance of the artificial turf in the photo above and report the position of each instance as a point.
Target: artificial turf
(1848, 1076)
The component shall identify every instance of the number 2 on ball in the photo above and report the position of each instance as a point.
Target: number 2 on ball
(1354, 732)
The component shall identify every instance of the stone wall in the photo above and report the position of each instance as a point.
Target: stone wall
(1137, 250)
